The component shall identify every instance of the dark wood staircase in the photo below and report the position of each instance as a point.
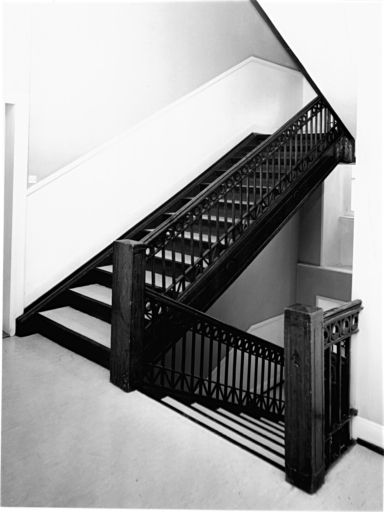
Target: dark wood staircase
(66, 314)
(200, 241)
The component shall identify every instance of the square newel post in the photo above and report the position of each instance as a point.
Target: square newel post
(304, 397)
(128, 284)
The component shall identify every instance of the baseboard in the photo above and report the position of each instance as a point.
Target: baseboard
(368, 432)
(371, 446)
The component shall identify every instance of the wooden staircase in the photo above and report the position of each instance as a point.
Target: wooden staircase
(199, 242)
(178, 261)
(77, 314)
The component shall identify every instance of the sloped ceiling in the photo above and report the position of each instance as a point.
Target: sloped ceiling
(325, 37)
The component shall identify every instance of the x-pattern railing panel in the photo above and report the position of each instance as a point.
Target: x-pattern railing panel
(201, 356)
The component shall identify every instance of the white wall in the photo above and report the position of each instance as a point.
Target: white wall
(337, 230)
(94, 70)
(324, 37)
(78, 211)
(267, 285)
(347, 67)
(368, 237)
(271, 330)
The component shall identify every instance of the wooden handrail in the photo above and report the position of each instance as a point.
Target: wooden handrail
(341, 311)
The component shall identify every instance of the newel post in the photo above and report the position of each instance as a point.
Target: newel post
(304, 383)
(127, 332)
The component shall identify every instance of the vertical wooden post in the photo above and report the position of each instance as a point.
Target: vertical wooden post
(304, 383)
(127, 333)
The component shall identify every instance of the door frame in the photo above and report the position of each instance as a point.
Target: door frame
(16, 266)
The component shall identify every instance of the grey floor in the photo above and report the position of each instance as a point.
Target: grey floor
(71, 439)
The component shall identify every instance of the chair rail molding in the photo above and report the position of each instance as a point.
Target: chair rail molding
(368, 431)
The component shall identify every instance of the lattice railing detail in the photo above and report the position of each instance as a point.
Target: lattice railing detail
(339, 325)
(200, 356)
(185, 246)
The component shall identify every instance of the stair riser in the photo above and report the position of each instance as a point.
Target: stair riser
(101, 277)
(190, 246)
(89, 306)
(171, 268)
(74, 342)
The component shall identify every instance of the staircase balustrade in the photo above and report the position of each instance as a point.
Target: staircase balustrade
(339, 325)
(160, 343)
(185, 246)
(210, 359)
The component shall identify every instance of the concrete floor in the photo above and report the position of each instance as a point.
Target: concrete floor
(71, 439)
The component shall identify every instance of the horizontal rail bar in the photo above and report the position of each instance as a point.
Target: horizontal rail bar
(253, 340)
(335, 314)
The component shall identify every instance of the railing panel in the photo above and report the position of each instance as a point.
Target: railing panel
(318, 414)
(200, 356)
(339, 325)
(237, 199)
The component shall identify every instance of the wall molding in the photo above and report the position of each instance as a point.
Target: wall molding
(269, 321)
(368, 431)
(322, 267)
(16, 267)
(115, 140)
(271, 330)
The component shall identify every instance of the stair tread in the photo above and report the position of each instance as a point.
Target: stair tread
(214, 218)
(206, 217)
(236, 201)
(106, 268)
(178, 257)
(229, 201)
(148, 276)
(96, 292)
(84, 324)
(196, 236)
